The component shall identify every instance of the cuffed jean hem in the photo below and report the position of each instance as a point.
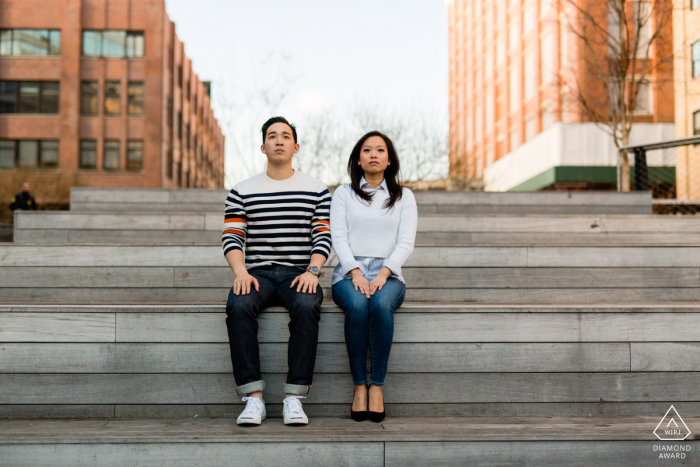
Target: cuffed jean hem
(357, 383)
(376, 384)
(296, 389)
(255, 386)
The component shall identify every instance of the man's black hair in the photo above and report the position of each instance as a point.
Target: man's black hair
(274, 120)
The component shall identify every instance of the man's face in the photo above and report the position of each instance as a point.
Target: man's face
(25, 187)
(279, 146)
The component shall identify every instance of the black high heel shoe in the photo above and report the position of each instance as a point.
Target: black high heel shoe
(376, 417)
(360, 415)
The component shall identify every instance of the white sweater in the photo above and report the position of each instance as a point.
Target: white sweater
(373, 231)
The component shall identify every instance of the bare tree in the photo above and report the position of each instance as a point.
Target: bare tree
(621, 46)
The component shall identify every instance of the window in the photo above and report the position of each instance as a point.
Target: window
(113, 44)
(112, 98)
(29, 97)
(134, 104)
(695, 57)
(530, 78)
(545, 5)
(134, 154)
(547, 59)
(111, 155)
(88, 154)
(88, 98)
(514, 136)
(547, 117)
(28, 153)
(529, 17)
(642, 22)
(696, 123)
(514, 85)
(644, 104)
(529, 128)
(563, 44)
(30, 42)
(694, 4)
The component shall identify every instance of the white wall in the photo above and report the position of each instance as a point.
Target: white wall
(573, 144)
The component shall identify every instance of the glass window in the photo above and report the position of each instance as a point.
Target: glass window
(92, 43)
(547, 117)
(50, 91)
(8, 97)
(55, 42)
(530, 78)
(6, 42)
(644, 102)
(694, 4)
(88, 97)
(8, 149)
(112, 98)
(28, 97)
(134, 155)
(529, 129)
(134, 104)
(49, 153)
(514, 85)
(695, 57)
(88, 154)
(514, 139)
(28, 154)
(547, 59)
(696, 123)
(31, 42)
(134, 44)
(111, 155)
(113, 43)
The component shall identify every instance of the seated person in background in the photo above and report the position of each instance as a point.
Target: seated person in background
(23, 201)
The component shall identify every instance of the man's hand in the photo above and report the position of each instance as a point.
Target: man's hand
(243, 282)
(379, 281)
(305, 282)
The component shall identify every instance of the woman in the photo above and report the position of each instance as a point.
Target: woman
(373, 230)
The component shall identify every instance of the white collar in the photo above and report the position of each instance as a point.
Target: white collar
(382, 186)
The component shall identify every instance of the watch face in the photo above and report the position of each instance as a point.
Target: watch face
(314, 269)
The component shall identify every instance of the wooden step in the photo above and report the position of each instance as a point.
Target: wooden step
(398, 441)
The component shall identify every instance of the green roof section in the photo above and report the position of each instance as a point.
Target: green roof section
(593, 174)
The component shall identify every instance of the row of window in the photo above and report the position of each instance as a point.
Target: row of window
(29, 97)
(22, 42)
(696, 123)
(89, 91)
(28, 153)
(111, 154)
(695, 58)
(113, 44)
(44, 153)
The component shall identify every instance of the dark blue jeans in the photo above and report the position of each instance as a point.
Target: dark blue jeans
(241, 320)
(369, 322)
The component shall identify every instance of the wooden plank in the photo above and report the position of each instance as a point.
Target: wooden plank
(70, 220)
(490, 277)
(198, 195)
(146, 237)
(641, 327)
(57, 327)
(621, 257)
(328, 388)
(149, 207)
(665, 356)
(331, 358)
(121, 195)
(279, 454)
(526, 453)
(471, 210)
(40, 236)
(188, 296)
(56, 411)
(33, 277)
(528, 198)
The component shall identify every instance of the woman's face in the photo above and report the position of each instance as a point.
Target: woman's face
(374, 157)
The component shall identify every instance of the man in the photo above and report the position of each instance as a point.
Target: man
(280, 218)
(23, 201)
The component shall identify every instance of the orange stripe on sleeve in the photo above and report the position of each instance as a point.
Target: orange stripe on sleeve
(237, 219)
(234, 231)
(322, 222)
(322, 229)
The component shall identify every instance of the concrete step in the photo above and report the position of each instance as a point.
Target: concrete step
(494, 441)
(171, 361)
(435, 202)
(204, 229)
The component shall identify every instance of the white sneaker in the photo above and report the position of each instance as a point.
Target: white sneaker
(293, 412)
(254, 412)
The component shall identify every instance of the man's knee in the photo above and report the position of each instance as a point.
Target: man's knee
(241, 304)
(306, 305)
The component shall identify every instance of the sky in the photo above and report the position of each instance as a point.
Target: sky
(334, 52)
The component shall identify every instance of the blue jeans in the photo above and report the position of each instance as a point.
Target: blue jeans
(241, 320)
(369, 322)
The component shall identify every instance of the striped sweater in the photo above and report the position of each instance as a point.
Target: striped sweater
(278, 222)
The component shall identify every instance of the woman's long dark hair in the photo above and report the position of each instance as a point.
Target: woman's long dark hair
(390, 174)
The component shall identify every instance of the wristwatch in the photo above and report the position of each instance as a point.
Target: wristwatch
(314, 270)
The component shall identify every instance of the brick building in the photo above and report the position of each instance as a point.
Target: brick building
(687, 81)
(100, 91)
(513, 120)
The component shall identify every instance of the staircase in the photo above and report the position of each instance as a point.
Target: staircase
(538, 329)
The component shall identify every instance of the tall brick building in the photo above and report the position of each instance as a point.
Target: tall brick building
(513, 120)
(101, 91)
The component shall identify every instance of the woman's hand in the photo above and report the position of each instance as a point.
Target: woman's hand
(359, 281)
(379, 281)
(244, 281)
